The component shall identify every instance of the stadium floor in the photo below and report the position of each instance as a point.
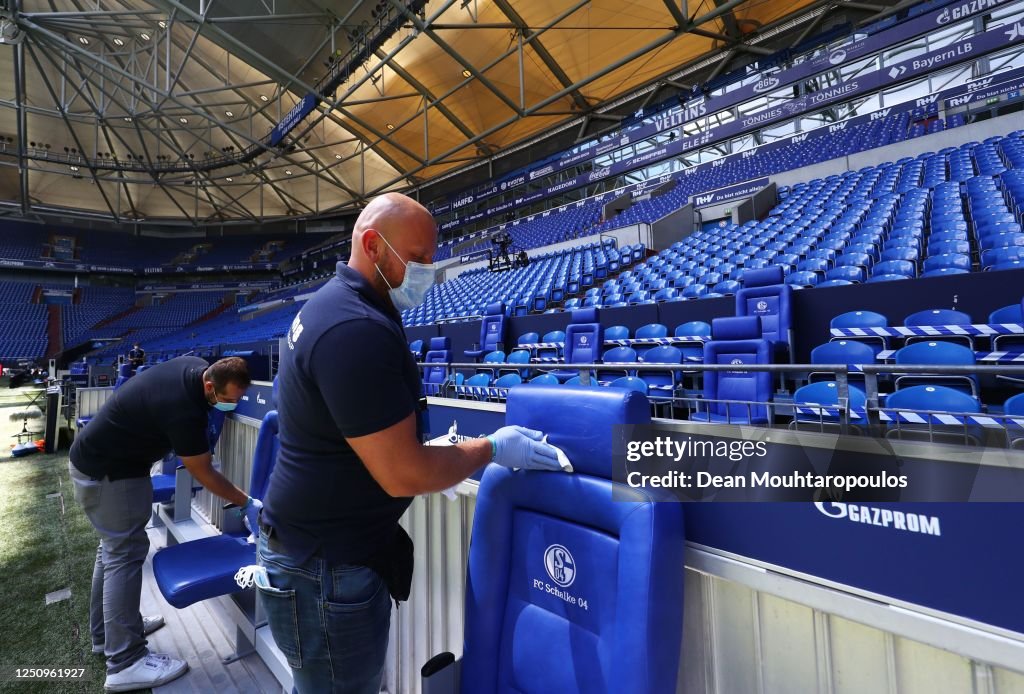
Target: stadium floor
(38, 514)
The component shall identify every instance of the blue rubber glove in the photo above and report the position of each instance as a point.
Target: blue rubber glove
(251, 511)
(519, 447)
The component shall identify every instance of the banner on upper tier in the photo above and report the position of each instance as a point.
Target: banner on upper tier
(858, 47)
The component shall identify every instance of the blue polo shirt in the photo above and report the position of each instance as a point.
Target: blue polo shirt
(346, 371)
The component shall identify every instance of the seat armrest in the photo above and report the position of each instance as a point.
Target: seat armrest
(442, 674)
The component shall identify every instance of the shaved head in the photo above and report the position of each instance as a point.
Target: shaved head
(391, 231)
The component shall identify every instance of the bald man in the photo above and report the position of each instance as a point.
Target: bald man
(351, 457)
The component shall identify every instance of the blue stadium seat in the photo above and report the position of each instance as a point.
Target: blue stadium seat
(437, 358)
(630, 383)
(124, 372)
(528, 339)
(825, 394)
(201, 569)
(616, 332)
(1015, 434)
(844, 352)
(624, 355)
(545, 379)
(575, 537)
(416, 347)
(939, 354)
(941, 316)
(584, 338)
(764, 295)
(933, 398)
(736, 341)
(492, 331)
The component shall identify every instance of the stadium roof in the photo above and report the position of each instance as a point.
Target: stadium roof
(173, 102)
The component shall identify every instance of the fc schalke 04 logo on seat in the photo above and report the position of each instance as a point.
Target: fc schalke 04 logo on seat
(560, 565)
(762, 305)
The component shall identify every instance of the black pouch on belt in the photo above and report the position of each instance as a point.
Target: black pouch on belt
(395, 565)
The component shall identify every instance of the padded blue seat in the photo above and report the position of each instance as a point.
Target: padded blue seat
(537, 529)
(492, 331)
(437, 358)
(584, 338)
(766, 296)
(735, 341)
(204, 569)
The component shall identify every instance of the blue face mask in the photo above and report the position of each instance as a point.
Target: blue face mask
(419, 278)
(225, 406)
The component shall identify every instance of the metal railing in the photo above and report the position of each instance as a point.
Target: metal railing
(874, 419)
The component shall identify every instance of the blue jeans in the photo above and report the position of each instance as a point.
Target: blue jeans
(331, 622)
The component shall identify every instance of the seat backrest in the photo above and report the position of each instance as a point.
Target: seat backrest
(545, 379)
(583, 341)
(124, 372)
(264, 455)
(528, 339)
(843, 352)
(482, 379)
(859, 319)
(630, 383)
(936, 398)
(552, 557)
(438, 355)
(771, 303)
(1007, 314)
(652, 330)
(737, 385)
(554, 336)
(616, 332)
(694, 327)
(1015, 405)
(492, 329)
(620, 354)
(937, 316)
(946, 353)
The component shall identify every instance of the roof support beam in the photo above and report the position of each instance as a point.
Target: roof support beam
(53, 94)
(426, 94)
(538, 47)
(456, 56)
(19, 96)
(625, 60)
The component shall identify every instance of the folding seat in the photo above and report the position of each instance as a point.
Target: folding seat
(932, 398)
(630, 383)
(695, 291)
(938, 317)
(416, 347)
(498, 391)
(648, 332)
(544, 379)
(802, 279)
(1015, 430)
(638, 297)
(518, 357)
(616, 332)
(616, 355)
(202, 569)
(692, 329)
(736, 341)
(666, 294)
(823, 399)
(996, 256)
(895, 267)
(551, 338)
(846, 352)
(886, 278)
(939, 354)
(527, 339)
(943, 247)
(855, 259)
(726, 287)
(848, 274)
(492, 331)
(475, 387)
(949, 260)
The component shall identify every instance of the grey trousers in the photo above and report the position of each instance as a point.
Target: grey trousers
(119, 511)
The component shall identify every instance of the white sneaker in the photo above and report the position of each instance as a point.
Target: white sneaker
(151, 671)
(149, 625)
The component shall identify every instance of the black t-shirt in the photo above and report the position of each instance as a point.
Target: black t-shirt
(160, 410)
(346, 372)
(136, 355)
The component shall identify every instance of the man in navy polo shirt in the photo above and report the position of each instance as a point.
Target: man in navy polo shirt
(351, 457)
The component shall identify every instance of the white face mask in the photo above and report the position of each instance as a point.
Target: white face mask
(419, 278)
